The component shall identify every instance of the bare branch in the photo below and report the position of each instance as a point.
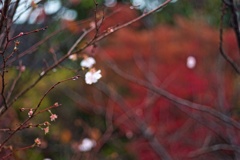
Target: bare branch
(174, 98)
(225, 56)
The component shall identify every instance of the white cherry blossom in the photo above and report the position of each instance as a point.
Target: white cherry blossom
(191, 62)
(92, 76)
(86, 145)
(88, 62)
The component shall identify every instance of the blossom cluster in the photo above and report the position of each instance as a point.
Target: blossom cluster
(93, 75)
(43, 126)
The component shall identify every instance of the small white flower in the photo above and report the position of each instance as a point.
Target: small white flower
(88, 62)
(86, 145)
(191, 62)
(92, 76)
(73, 57)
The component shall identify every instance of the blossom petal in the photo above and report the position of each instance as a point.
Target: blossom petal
(87, 144)
(88, 62)
(88, 78)
(92, 76)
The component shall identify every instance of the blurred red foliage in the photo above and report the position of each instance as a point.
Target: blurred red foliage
(159, 56)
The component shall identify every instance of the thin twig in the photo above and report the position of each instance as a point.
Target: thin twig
(27, 33)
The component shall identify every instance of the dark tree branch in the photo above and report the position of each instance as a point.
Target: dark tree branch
(4, 14)
(225, 56)
(234, 20)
